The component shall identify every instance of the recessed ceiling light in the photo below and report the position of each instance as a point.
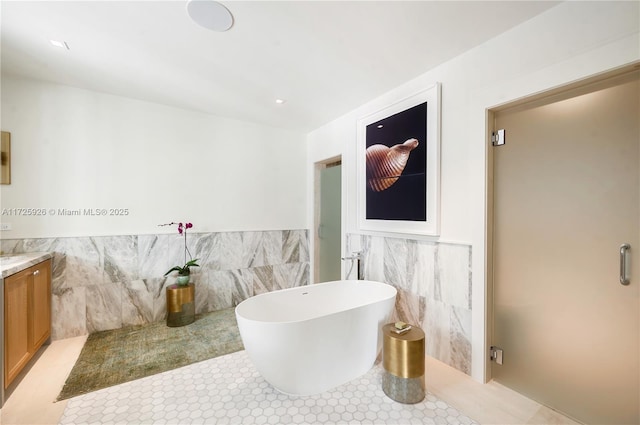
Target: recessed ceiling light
(280, 101)
(210, 14)
(61, 44)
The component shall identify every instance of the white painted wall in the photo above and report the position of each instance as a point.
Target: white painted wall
(74, 148)
(569, 42)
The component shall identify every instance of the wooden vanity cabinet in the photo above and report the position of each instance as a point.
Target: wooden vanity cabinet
(41, 306)
(16, 324)
(27, 316)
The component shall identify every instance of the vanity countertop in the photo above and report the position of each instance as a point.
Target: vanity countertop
(14, 263)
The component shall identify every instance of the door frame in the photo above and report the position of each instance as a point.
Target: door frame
(582, 86)
(317, 169)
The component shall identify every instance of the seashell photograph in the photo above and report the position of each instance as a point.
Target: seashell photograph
(396, 165)
(385, 164)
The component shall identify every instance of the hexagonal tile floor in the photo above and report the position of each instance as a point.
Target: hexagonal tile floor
(229, 390)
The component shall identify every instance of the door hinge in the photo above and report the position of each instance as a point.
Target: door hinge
(495, 354)
(498, 138)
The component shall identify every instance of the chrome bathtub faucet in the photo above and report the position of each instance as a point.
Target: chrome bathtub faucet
(357, 258)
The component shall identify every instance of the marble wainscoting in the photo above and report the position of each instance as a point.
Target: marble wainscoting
(434, 289)
(109, 282)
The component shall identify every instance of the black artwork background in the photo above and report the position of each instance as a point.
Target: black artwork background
(406, 199)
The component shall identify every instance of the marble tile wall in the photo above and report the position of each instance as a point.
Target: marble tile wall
(102, 283)
(434, 289)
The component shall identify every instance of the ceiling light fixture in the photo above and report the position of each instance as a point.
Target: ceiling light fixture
(210, 14)
(280, 101)
(61, 44)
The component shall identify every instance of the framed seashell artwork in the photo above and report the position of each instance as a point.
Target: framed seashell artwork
(399, 166)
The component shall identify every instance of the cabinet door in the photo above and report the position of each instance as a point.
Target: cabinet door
(41, 305)
(16, 329)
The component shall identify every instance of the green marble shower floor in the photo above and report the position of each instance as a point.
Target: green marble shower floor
(112, 357)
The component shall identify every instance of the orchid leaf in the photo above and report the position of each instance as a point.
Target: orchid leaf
(192, 263)
(175, 268)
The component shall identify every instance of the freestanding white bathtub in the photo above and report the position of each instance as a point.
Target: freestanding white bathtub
(309, 339)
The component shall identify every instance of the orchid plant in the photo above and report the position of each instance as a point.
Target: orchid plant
(183, 270)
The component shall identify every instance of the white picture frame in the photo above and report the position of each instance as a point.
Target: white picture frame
(399, 208)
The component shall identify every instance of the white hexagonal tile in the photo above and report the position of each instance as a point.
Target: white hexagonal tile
(228, 390)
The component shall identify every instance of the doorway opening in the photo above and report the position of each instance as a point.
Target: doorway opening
(563, 197)
(328, 220)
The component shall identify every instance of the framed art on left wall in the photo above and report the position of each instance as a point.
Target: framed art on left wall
(5, 159)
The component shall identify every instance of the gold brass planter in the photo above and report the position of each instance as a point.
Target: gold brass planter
(403, 357)
(181, 305)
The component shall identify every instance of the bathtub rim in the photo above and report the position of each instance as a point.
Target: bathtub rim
(300, 288)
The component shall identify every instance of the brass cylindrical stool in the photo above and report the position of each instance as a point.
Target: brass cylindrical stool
(403, 356)
(181, 305)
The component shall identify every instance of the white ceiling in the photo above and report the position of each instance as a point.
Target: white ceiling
(324, 58)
